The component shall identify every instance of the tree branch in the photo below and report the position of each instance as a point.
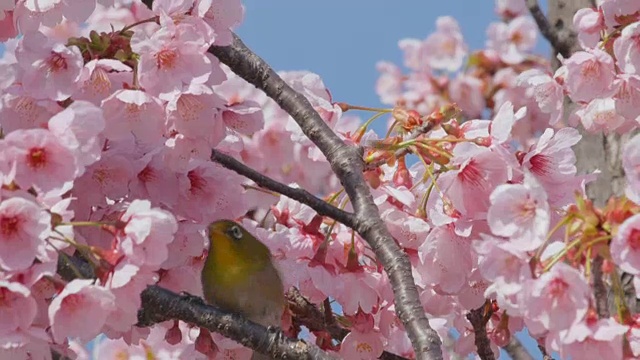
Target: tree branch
(561, 41)
(347, 163)
(478, 319)
(160, 305)
(320, 206)
(309, 315)
(600, 292)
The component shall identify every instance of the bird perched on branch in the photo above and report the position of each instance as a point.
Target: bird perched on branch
(240, 277)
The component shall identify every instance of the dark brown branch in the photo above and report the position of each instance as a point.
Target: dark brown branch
(600, 288)
(478, 320)
(545, 356)
(160, 305)
(307, 314)
(320, 206)
(561, 41)
(516, 350)
(347, 163)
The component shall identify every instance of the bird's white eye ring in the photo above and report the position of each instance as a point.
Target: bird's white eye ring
(235, 232)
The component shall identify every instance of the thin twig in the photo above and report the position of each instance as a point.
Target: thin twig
(423, 129)
(348, 165)
(543, 350)
(301, 195)
(561, 44)
(600, 288)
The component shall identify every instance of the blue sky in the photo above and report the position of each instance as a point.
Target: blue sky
(342, 40)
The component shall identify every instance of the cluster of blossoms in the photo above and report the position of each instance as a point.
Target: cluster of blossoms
(106, 138)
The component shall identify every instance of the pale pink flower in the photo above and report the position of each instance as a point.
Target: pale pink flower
(445, 48)
(446, 260)
(520, 212)
(222, 15)
(50, 70)
(590, 339)
(478, 172)
(546, 91)
(557, 299)
(389, 83)
(80, 300)
(154, 181)
(31, 14)
(626, 49)
(134, 112)
(24, 112)
(242, 112)
(625, 246)
(96, 80)
(361, 345)
(512, 40)
(147, 233)
(208, 191)
(589, 23)
(631, 165)
(125, 284)
(627, 97)
(78, 128)
(197, 113)
(170, 58)
(409, 231)
(510, 8)
(552, 161)
(466, 91)
(114, 16)
(618, 12)
(41, 160)
(589, 75)
(414, 54)
(18, 309)
(600, 115)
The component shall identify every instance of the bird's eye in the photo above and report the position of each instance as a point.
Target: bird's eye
(235, 232)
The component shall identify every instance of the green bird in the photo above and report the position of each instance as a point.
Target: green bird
(239, 276)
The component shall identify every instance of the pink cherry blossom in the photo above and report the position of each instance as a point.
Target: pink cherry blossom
(41, 160)
(625, 246)
(148, 231)
(466, 91)
(626, 49)
(78, 128)
(171, 57)
(552, 161)
(209, 191)
(627, 97)
(25, 112)
(223, 16)
(409, 231)
(97, 79)
(600, 115)
(598, 339)
(18, 308)
(78, 301)
(546, 91)
(617, 12)
(31, 14)
(50, 70)
(589, 23)
(134, 112)
(197, 112)
(589, 75)
(445, 48)
(510, 8)
(446, 260)
(558, 299)
(389, 84)
(512, 40)
(631, 165)
(520, 212)
(361, 346)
